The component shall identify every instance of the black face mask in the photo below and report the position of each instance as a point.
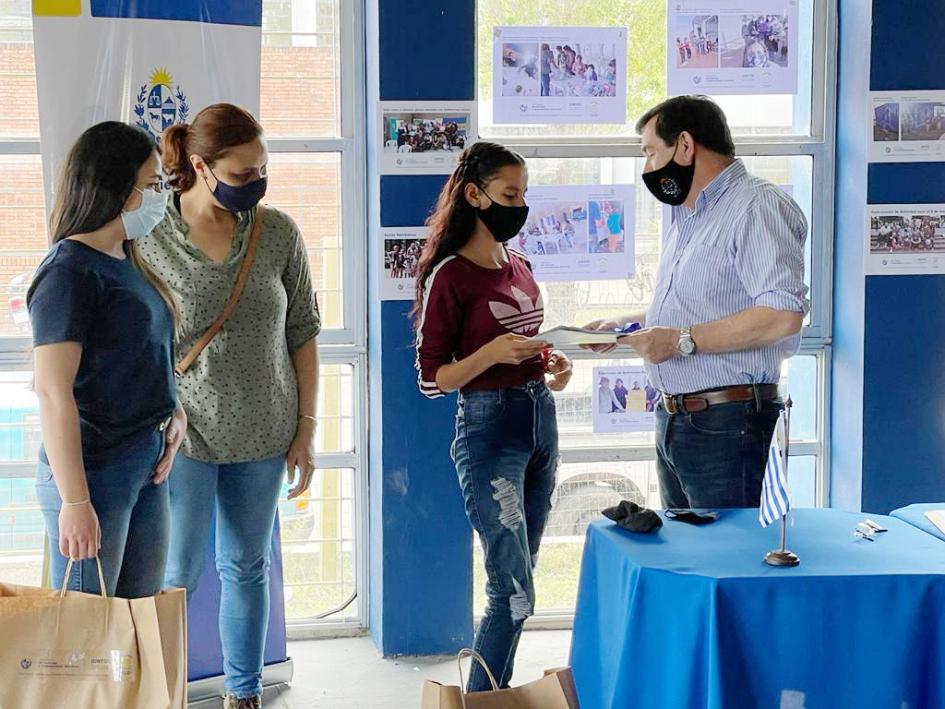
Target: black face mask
(671, 183)
(503, 222)
(239, 198)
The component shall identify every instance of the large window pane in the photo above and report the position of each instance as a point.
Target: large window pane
(21, 524)
(22, 237)
(318, 547)
(575, 410)
(300, 80)
(579, 302)
(584, 489)
(646, 67)
(308, 187)
(336, 409)
(19, 107)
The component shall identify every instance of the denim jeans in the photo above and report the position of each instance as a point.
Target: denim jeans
(245, 496)
(506, 456)
(133, 516)
(716, 457)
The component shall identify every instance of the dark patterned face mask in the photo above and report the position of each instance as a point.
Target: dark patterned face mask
(691, 517)
(671, 183)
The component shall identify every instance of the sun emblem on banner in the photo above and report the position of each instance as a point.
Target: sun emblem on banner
(160, 104)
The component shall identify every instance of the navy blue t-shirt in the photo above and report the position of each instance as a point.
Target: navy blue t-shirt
(125, 384)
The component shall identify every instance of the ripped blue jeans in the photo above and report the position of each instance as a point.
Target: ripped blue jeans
(506, 456)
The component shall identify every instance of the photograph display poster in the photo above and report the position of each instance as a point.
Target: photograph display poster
(579, 232)
(423, 137)
(623, 400)
(907, 126)
(731, 47)
(400, 247)
(905, 239)
(557, 75)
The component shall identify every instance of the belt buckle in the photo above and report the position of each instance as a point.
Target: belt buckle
(669, 403)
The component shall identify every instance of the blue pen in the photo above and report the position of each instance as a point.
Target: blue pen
(629, 327)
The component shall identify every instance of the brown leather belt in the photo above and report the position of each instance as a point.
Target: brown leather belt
(692, 403)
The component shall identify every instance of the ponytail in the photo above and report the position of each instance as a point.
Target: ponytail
(215, 130)
(175, 159)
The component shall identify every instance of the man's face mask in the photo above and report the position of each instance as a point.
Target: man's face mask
(671, 183)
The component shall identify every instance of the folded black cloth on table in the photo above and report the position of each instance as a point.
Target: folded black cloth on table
(630, 516)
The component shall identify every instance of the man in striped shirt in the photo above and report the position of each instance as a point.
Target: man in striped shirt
(727, 311)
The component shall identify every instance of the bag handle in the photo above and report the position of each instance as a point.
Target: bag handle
(101, 578)
(103, 593)
(230, 306)
(476, 657)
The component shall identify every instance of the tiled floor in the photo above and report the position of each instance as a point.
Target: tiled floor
(350, 674)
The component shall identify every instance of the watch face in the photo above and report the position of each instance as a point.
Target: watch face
(687, 347)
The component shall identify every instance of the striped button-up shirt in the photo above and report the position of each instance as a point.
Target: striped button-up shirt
(741, 247)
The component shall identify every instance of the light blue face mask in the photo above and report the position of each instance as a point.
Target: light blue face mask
(140, 222)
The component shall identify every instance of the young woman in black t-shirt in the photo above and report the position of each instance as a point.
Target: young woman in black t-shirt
(103, 329)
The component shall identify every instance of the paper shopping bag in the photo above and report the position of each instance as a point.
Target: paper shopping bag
(171, 607)
(82, 651)
(553, 691)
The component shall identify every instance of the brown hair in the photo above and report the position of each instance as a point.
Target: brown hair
(215, 130)
(453, 220)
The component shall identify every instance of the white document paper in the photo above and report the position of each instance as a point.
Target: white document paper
(905, 239)
(937, 517)
(400, 254)
(559, 75)
(907, 126)
(731, 47)
(579, 232)
(623, 400)
(564, 336)
(423, 137)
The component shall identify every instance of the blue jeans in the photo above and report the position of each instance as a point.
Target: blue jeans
(246, 496)
(133, 515)
(716, 457)
(506, 456)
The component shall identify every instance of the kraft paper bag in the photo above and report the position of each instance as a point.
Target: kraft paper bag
(82, 651)
(553, 691)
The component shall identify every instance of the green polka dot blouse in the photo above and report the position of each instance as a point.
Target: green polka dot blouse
(241, 395)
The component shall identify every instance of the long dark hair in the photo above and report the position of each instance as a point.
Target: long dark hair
(97, 179)
(452, 221)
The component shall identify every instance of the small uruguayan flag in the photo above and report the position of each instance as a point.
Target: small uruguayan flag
(775, 496)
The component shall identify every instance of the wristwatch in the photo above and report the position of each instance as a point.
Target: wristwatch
(686, 344)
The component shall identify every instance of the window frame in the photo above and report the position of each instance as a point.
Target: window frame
(819, 145)
(346, 345)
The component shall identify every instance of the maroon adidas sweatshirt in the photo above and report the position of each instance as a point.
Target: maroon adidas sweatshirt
(466, 306)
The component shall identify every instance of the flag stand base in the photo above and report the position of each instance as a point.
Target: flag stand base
(782, 558)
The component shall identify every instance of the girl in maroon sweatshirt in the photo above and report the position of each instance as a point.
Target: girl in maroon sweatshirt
(478, 311)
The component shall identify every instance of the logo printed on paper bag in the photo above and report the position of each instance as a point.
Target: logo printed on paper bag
(160, 104)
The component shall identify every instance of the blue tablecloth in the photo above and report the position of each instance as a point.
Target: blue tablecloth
(691, 617)
(915, 515)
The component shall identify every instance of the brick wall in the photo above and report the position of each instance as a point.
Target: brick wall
(299, 98)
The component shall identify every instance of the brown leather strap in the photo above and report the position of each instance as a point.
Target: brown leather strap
(692, 403)
(230, 306)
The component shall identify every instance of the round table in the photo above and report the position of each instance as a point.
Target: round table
(691, 616)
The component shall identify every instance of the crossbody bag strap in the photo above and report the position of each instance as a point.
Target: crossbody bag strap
(230, 306)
